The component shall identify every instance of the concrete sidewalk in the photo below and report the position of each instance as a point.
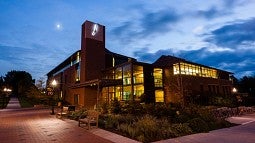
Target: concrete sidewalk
(13, 104)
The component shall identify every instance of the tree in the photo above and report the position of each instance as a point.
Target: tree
(20, 81)
(247, 85)
(1, 85)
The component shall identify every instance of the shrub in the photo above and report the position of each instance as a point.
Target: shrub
(181, 129)
(115, 106)
(198, 125)
(132, 107)
(105, 108)
(112, 121)
(78, 114)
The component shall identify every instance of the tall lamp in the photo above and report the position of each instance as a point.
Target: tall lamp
(54, 84)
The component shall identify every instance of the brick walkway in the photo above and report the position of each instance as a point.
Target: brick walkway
(33, 125)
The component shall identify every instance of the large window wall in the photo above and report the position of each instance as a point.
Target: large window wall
(158, 82)
(194, 70)
(133, 83)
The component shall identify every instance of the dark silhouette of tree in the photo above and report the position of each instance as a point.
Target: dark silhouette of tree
(20, 81)
(1, 85)
(247, 85)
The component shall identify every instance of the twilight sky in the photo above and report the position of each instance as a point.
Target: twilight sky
(37, 35)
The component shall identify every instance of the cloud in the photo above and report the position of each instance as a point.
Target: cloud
(230, 4)
(234, 34)
(158, 22)
(144, 56)
(227, 8)
(212, 12)
(227, 60)
(231, 61)
(149, 24)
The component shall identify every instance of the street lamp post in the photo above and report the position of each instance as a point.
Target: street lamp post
(54, 84)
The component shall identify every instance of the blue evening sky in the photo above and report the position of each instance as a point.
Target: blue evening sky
(37, 35)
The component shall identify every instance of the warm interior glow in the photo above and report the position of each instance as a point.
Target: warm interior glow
(158, 77)
(195, 70)
(159, 96)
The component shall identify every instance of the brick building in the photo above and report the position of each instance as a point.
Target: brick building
(94, 75)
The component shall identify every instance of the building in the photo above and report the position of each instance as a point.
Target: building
(94, 75)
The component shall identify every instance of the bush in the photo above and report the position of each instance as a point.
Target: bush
(198, 125)
(111, 122)
(181, 129)
(132, 107)
(152, 122)
(115, 106)
(78, 114)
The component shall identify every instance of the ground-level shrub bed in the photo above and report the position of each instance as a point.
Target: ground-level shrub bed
(167, 122)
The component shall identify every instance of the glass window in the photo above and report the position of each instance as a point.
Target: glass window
(195, 70)
(118, 73)
(137, 74)
(138, 91)
(126, 93)
(176, 68)
(118, 92)
(159, 96)
(158, 82)
(127, 75)
(78, 74)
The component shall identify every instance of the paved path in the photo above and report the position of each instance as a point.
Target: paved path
(13, 104)
(35, 125)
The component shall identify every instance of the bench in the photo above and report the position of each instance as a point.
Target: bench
(90, 120)
(64, 111)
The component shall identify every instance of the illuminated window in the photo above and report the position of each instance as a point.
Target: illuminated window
(118, 92)
(137, 74)
(113, 62)
(176, 69)
(158, 77)
(127, 75)
(78, 58)
(138, 91)
(126, 93)
(118, 73)
(195, 70)
(159, 96)
(78, 73)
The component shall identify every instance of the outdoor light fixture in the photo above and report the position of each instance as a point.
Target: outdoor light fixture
(54, 84)
(234, 90)
(7, 90)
